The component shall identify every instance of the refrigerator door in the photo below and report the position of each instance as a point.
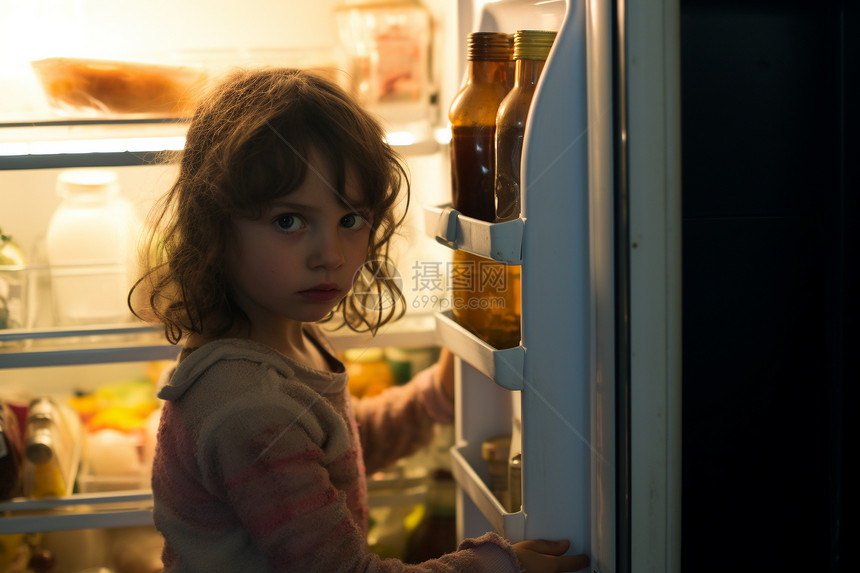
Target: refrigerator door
(557, 387)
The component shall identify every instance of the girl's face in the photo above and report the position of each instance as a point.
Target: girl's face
(299, 259)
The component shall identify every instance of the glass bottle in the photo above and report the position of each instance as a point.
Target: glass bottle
(11, 459)
(473, 124)
(531, 48)
(501, 326)
(496, 451)
(48, 451)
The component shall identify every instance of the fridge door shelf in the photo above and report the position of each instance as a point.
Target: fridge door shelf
(79, 511)
(500, 242)
(509, 525)
(504, 367)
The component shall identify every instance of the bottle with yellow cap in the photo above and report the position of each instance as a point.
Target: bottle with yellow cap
(531, 48)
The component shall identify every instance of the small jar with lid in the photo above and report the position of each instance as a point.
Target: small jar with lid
(495, 452)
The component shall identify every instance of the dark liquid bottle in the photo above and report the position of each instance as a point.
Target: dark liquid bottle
(11, 458)
(476, 280)
(531, 48)
(473, 124)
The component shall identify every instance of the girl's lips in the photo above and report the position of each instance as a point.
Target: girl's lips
(322, 293)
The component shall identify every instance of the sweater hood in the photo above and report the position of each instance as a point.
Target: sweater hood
(182, 375)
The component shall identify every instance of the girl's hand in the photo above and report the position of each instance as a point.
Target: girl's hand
(445, 364)
(542, 556)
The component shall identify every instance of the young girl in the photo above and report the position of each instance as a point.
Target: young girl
(286, 190)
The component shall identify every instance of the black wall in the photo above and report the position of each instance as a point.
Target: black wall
(770, 258)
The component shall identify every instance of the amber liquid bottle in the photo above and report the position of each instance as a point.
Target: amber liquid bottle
(531, 48)
(476, 281)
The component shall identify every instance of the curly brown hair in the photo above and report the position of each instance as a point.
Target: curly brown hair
(246, 146)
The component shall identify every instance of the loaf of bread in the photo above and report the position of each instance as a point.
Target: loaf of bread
(81, 86)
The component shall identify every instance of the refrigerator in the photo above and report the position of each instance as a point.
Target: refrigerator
(682, 387)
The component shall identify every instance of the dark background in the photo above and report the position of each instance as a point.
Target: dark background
(770, 284)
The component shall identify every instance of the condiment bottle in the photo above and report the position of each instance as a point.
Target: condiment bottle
(531, 48)
(52, 449)
(495, 451)
(475, 280)
(473, 124)
(11, 460)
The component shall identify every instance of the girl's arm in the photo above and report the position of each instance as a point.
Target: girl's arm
(400, 420)
(291, 499)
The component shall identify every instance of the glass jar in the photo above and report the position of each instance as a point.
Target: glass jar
(387, 47)
(92, 248)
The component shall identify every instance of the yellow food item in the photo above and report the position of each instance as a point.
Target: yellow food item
(155, 368)
(47, 480)
(10, 252)
(369, 373)
(9, 549)
(119, 418)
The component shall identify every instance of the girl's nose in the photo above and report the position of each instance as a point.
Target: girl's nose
(329, 253)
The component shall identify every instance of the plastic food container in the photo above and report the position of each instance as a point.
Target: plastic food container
(89, 87)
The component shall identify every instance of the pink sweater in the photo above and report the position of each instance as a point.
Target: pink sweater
(259, 466)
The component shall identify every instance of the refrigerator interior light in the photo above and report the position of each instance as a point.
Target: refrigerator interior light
(113, 145)
(14, 148)
(400, 138)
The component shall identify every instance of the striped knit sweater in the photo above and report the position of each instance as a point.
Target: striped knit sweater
(259, 465)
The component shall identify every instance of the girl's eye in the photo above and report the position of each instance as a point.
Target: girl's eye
(353, 221)
(288, 222)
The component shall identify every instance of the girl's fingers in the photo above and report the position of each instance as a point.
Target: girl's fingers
(547, 547)
(572, 562)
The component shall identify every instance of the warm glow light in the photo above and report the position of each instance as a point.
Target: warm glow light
(395, 138)
(135, 145)
(443, 135)
(15, 148)
(175, 143)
